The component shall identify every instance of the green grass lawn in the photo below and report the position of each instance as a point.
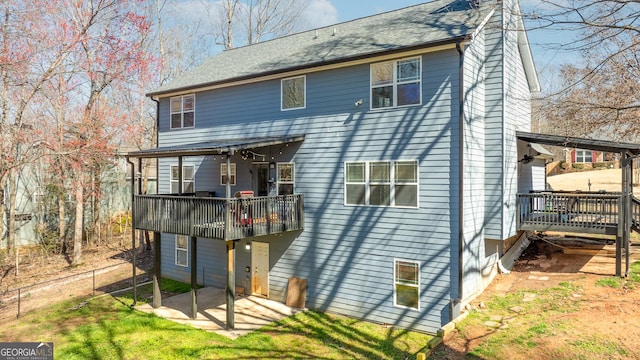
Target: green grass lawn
(107, 328)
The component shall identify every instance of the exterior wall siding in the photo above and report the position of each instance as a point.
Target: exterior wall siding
(517, 112)
(347, 252)
(494, 146)
(212, 261)
(508, 110)
(532, 176)
(474, 160)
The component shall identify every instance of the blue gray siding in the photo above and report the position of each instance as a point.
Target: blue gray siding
(508, 110)
(517, 111)
(474, 174)
(212, 260)
(494, 145)
(347, 252)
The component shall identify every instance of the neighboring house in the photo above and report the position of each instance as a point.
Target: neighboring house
(36, 207)
(25, 207)
(591, 158)
(397, 131)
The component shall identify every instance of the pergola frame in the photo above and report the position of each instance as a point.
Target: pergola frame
(627, 151)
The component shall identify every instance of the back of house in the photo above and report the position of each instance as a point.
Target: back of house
(397, 131)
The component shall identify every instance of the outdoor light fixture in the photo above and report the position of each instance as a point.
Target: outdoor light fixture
(247, 246)
(526, 159)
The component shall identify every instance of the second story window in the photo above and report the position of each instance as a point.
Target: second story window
(294, 93)
(396, 83)
(188, 172)
(183, 111)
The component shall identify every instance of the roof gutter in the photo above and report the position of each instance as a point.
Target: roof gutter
(320, 65)
(455, 308)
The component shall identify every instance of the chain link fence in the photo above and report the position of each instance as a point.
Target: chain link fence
(94, 282)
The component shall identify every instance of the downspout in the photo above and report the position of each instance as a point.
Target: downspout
(133, 228)
(457, 302)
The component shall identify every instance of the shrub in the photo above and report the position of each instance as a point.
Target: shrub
(578, 166)
(602, 165)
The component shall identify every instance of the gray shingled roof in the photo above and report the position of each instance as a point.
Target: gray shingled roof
(427, 24)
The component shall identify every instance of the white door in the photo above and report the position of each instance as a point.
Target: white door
(260, 268)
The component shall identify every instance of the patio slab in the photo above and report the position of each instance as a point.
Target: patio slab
(251, 312)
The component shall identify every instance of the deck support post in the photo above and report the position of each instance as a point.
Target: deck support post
(627, 183)
(624, 215)
(194, 277)
(231, 283)
(157, 296)
(133, 232)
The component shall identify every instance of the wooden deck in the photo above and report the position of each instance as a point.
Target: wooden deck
(219, 218)
(577, 212)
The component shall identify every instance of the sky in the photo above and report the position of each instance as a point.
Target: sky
(544, 44)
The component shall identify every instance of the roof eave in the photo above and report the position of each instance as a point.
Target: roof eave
(580, 143)
(452, 40)
(242, 144)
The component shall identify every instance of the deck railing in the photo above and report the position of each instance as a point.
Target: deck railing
(219, 218)
(585, 212)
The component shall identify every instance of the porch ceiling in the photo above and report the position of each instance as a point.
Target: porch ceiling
(580, 143)
(219, 146)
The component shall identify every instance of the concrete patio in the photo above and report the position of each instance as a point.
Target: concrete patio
(251, 312)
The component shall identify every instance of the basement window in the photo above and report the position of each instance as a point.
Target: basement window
(406, 292)
(182, 250)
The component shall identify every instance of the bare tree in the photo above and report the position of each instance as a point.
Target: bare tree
(601, 95)
(251, 21)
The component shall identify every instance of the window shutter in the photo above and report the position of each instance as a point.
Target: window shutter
(573, 155)
(594, 156)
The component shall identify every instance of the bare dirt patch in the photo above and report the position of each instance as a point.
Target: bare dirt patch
(602, 314)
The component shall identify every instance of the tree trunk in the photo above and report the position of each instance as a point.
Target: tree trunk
(78, 225)
(13, 191)
(62, 223)
(3, 212)
(95, 208)
(11, 221)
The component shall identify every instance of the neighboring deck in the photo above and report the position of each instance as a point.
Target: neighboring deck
(577, 212)
(219, 218)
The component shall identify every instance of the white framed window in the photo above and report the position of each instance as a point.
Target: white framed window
(406, 284)
(396, 83)
(286, 178)
(183, 110)
(294, 93)
(381, 183)
(584, 156)
(188, 183)
(182, 250)
(223, 174)
(39, 197)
